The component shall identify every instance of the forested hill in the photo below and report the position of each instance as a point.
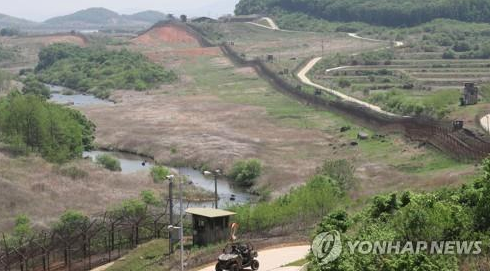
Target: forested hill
(380, 12)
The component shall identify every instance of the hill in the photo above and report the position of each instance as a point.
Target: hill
(149, 16)
(101, 17)
(379, 12)
(9, 21)
(95, 16)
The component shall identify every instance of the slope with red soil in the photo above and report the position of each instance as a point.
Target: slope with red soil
(166, 34)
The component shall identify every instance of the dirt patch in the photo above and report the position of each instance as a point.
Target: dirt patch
(189, 52)
(167, 34)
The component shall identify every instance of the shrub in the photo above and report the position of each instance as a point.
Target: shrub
(159, 173)
(340, 171)
(449, 54)
(244, 172)
(344, 83)
(33, 86)
(109, 162)
(461, 47)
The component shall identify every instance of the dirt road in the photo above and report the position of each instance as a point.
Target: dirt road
(275, 259)
(272, 24)
(304, 79)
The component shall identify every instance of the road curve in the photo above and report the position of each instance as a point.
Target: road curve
(305, 80)
(276, 258)
(272, 24)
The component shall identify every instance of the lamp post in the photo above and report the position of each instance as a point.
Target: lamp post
(170, 179)
(171, 227)
(215, 173)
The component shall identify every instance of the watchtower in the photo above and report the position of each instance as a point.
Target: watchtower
(470, 95)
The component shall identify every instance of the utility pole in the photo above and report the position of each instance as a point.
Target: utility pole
(181, 227)
(215, 174)
(170, 178)
(216, 189)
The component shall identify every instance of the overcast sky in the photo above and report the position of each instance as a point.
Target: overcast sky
(40, 10)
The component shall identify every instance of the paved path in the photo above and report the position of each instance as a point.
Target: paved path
(274, 259)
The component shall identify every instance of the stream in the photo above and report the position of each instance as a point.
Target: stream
(77, 99)
(131, 163)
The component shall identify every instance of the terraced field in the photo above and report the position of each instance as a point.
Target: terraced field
(430, 82)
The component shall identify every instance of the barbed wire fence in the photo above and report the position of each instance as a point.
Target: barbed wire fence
(101, 239)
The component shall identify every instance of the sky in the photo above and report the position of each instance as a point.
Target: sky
(40, 10)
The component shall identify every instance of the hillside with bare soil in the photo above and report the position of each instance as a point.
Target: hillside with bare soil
(166, 34)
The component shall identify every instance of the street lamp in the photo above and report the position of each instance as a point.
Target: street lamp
(181, 226)
(170, 178)
(215, 173)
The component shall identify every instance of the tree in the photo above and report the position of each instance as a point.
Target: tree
(8, 32)
(183, 18)
(30, 123)
(244, 172)
(159, 173)
(149, 198)
(33, 86)
(70, 222)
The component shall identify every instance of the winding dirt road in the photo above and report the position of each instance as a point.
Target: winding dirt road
(272, 24)
(305, 80)
(276, 258)
(302, 74)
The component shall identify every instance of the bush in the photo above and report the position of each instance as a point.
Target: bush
(461, 47)
(449, 54)
(244, 172)
(33, 86)
(159, 173)
(304, 205)
(340, 171)
(109, 162)
(344, 83)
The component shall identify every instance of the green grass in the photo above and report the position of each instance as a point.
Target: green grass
(146, 257)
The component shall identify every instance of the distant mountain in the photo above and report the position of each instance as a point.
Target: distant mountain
(101, 18)
(94, 16)
(9, 21)
(149, 16)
